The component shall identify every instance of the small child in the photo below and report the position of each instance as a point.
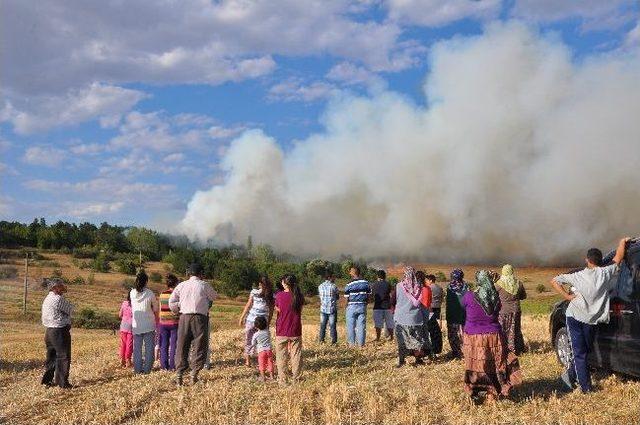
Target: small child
(126, 332)
(261, 344)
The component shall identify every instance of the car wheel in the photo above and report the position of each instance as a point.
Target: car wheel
(563, 347)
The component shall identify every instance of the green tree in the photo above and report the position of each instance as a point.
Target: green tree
(146, 241)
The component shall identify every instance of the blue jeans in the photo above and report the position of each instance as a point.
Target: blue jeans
(581, 337)
(333, 330)
(168, 338)
(356, 316)
(148, 339)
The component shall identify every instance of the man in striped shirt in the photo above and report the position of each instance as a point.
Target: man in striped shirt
(357, 293)
(56, 318)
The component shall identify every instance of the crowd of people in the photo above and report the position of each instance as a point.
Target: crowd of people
(483, 323)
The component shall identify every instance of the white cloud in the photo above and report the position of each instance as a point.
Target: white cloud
(41, 113)
(351, 74)
(87, 148)
(595, 14)
(44, 155)
(193, 41)
(159, 132)
(435, 13)
(295, 90)
(633, 37)
(174, 158)
(90, 209)
(8, 170)
(6, 206)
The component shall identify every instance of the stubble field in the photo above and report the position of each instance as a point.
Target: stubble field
(339, 385)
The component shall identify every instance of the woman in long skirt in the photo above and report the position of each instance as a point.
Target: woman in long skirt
(455, 313)
(511, 292)
(489, 366)
(409, 319)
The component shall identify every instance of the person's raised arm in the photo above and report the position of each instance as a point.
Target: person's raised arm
(622, 246)
(245, 311)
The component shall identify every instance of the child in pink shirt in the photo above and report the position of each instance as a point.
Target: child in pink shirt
(126, 332)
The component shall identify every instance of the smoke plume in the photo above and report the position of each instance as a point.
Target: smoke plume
(520, 153)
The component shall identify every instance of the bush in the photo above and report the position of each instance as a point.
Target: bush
(540, 288)
(440, 276)
(64, 250)
(393, 280)
(78, 280)
(101, 263)
(86, 251)
(128, 283)
(89, 318)
(236, 276)
(91, 279)
(49, 263)
(155, 277)
(127, 263)
(8, 272)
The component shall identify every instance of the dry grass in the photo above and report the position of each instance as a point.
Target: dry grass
(340, 385)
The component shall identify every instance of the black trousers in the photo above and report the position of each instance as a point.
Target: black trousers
(192, 329)
(58, 343)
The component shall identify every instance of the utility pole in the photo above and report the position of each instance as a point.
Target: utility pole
(26, 283)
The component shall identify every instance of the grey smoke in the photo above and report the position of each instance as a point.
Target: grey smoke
(520, 153)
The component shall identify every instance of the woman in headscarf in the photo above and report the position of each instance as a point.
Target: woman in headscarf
(409, 319)
(455, 314)
(489, 366)
(511, 291)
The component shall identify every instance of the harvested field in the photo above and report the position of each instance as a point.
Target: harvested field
(340, 385)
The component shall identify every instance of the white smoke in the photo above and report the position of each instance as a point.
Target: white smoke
(521, 153)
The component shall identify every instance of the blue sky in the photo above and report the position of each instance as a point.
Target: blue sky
(121, 111)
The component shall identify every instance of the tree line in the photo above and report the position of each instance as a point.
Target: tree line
(233, 268)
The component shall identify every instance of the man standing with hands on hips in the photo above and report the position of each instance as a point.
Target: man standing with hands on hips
(588, 306)
(56, 317)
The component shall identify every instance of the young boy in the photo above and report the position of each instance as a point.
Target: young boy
(588, 306)
(261, 345)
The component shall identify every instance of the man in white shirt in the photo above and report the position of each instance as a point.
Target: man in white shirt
(192, 299)
(56, 318)
(588, 306)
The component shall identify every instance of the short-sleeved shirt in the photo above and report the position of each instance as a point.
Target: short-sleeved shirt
(259, 307)
(381, 295)
(126, 317)
(328, 292)
(261, 341)
(357, 292)
(289, 321)
(437, 293)
(591, 287)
